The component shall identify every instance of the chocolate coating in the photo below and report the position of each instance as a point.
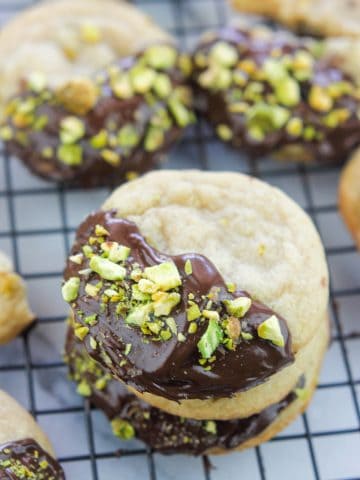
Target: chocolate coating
(103, 106)
(25, 459)
(243, 108)
(170, 368)
(163, 432)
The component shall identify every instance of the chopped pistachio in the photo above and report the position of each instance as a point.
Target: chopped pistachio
(116, 253)
(246, 335)
(287, 91)
(224, 54)
(147, 286)
(100, 140)
(6, 133)
(84, 389)
(170, 322)
(210, 427)
(193, 313)
(70, 289)
(128, 136)
(81, 332)
(154, 139)
(270, 330)
(165, 275)
(188, 267)
(161, 57)
(107, 269)
(224, 132)
(181, 337)
(139, 315)
(162, 85)
(87, 251)
(309, 133)
(238, 307)
(91, 290)
(263, 118)
(182, 115)
(128, 348)
(78, 96)
(78, 258)
(211, 339)
(231, 287)
(93, 343)
(91, 319)
(122, 87)
(185, 64)
(192, 328)
(111, 157)
(319, 99)
(122, 429)
(37, 82)
(100, 231)
(46, 152)
(165, 302)
(142, 79)
(165, 335)
(295, 127)
(72, 129)
(90, 33)
(71, 155)
(211, 315)
(233, 328)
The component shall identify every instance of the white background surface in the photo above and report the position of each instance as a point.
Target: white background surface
(36, 225)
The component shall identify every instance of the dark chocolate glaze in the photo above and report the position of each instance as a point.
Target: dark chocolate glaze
(109, 109)
(163, 432)
(25, 459)
(171, 368)
(336, 143)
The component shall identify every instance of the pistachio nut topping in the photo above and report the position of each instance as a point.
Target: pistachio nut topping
(153, 306)
(92, 130)
(131, 417)
(265, 91)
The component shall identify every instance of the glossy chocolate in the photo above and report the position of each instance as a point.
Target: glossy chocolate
(38, 144)
(26, 460)
(171, 368)
(163, 432)
(325, 137)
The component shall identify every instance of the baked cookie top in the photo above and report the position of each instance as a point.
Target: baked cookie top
(349, 195)
(69, 38)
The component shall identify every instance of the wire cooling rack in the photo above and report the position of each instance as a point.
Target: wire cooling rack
(37, 224)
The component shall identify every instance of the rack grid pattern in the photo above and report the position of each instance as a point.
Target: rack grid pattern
(37, 223)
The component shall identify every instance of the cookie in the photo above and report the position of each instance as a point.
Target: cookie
(131, 417)
(64, 39)
(268, 92)
(25, 451)
(184, 276)
(317, 17)
(349, 196)
(103, 130)
(15, 313)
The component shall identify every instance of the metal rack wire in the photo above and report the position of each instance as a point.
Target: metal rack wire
(201, 143)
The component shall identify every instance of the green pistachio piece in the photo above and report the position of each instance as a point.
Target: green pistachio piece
(182, 115)
(224, 54)
(107, 269)
(128, 136)
(319, 99)
(246, 335)
(193, 313)
(37, 82)
(185, 64)
(238, 307)
(211, 339)
(6, 133)
(100, 140)
(70, 289)
(231, 287)
(122, 429)
(162, 85)
(192, 328)
(287, 92)
(40, 123)
(142, 79)
(147, 286)
(295, 127)
(211, 315)
(118, 253)
(161, 57)
(100, 231)
(270, 330)
(91, 290)
(71, 155)
(210, 427)
(72, 129)
(81, 332)
(165, 302)
(154, 139)
(165, 335)
(181, 337)
(139, 315)
(264, 118)
(122, 87)
(224, 132)
(84, 389)
(46, 152)
(137, 294)
(188, 267)
(170, 322)
(78, 258)
(165, 275)
(128, 348)
(111, 157)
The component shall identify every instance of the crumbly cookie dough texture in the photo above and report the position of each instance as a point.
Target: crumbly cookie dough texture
(257, 238)
(317, 17)
(67, 38)
(17, 424)
(15, 313)
(349, 196)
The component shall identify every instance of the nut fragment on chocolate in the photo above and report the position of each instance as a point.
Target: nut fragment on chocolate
(105, 129)
(163, 432)
(163, 327)
(268, 92)
(26, 460)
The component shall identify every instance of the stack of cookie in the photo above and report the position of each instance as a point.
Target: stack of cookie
(206, 295)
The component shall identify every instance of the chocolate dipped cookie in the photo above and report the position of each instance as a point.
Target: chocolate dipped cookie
(131, 417)
(190, 287)
(268, 92)
(15, 313)
(25, 451)
(106, 129)
(349, 196)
